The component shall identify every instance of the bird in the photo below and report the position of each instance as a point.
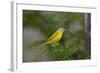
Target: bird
(55, 37)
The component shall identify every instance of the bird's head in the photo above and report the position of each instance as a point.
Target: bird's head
(61, 29)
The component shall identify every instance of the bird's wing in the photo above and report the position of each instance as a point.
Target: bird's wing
(55, 34)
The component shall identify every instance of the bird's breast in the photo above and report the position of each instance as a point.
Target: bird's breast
(58, 36)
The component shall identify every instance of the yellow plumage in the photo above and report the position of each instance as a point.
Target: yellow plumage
(55, 37)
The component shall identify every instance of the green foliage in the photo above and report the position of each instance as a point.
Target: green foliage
(57, 52)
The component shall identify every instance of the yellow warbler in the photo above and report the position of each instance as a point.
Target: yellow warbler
(55, 37)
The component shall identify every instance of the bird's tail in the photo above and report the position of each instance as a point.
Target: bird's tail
(43, 44)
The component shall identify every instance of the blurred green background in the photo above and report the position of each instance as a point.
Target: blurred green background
(38, 26)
